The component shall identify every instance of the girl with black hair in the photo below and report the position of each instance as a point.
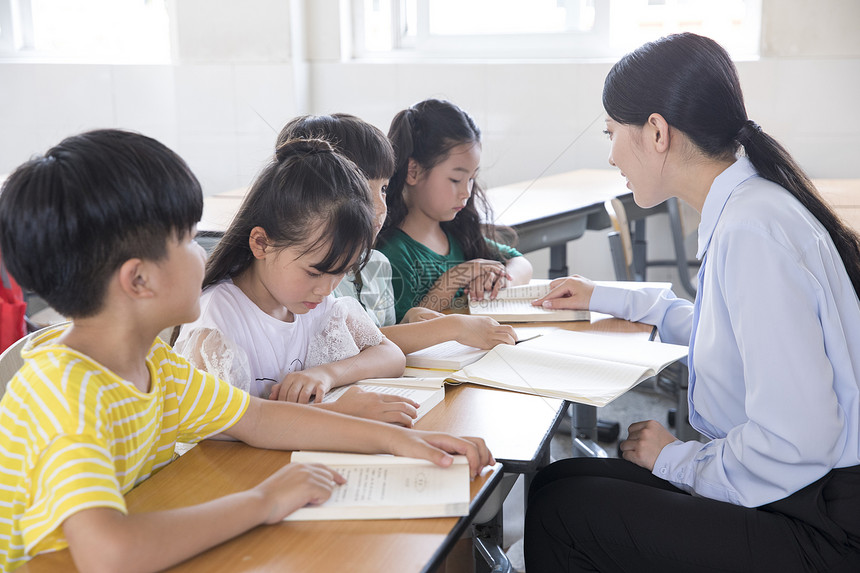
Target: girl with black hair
(774, 362)
(435, 236)
(268, 323)
(419, 328)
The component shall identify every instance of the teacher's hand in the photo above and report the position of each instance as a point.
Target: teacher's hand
(645, 441)
(573, 293)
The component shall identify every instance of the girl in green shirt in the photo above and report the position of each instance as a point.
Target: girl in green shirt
(434, 236)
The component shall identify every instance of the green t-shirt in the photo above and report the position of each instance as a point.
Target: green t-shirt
(415, 268)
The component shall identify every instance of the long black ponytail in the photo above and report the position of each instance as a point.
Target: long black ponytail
(691, 81)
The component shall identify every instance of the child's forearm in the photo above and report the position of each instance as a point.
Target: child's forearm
(419, 335)
(289, 426)
(520, 270)
(441, 294)
(277, 425)
(385, 360)
(104, 539)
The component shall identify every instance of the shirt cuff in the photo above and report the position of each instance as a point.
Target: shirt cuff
(675, 464)
(608, 300)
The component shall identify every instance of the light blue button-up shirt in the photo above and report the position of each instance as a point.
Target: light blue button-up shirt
(774, 340)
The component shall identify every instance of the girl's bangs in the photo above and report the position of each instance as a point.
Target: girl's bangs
(344, 246)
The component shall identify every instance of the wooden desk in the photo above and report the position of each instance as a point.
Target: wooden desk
(844, 196)
(214, 469)
(523, 447)
(552, 210)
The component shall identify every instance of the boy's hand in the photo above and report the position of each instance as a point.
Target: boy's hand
(481, 331)
(437, 447)
(300, 386)
(383, 407)
(295, 486)
(572, 293)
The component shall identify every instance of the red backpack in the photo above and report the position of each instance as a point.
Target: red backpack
(12, 307)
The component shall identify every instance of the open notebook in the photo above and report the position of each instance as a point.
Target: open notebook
(572, 366)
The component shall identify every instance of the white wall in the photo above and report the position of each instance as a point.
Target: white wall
(238, 79)
(245, 68)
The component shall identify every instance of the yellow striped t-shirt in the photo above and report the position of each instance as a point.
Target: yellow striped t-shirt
(74, 435)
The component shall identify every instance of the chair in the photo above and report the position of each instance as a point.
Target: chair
(10, 362)
(628, 246)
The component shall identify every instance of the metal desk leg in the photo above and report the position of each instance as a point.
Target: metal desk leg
(488, 533)
(493, 556)
(583, 432)
(558, 261)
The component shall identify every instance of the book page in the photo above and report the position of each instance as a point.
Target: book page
(651, 354)
(431, 381)
(633, 285)
(417, 394)
(513, 304)
(575, 378)
(426, 391)
(535, 289)
(386, 487)
(521, 310)
(449, 355)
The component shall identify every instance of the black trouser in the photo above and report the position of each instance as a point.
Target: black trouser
(587, 514)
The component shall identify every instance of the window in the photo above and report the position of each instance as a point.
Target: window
(125, 31)
(545, 28)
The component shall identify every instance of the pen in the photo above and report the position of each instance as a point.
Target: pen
(529, 338)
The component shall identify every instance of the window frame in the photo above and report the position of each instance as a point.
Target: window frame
(585, 44)
(18, 42)
(16, 27)
(594, 44)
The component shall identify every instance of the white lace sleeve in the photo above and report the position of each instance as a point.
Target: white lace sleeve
(345, 331)
(212, 351)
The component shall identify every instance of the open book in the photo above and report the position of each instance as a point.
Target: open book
(427, 391)
(572, 366)
(388, 487)
(453, 356)
(514, 304)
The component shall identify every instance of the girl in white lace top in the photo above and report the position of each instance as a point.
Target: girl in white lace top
(268, 323)
(371, 284)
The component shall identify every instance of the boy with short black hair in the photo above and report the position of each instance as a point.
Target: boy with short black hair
(102, 227)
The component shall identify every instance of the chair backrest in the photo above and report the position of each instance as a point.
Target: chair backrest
(10, 362)
(620, 241)
(628, 246)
